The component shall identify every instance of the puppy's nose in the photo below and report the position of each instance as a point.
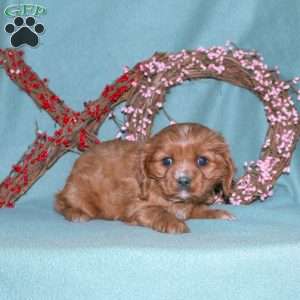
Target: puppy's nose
(184, 181)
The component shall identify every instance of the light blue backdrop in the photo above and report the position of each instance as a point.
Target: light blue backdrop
(85, 46)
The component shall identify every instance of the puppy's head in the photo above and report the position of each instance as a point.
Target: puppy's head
(188, 161)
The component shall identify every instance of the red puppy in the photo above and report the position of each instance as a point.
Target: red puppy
(158, 184)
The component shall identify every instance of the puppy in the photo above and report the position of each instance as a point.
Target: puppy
(157, 184)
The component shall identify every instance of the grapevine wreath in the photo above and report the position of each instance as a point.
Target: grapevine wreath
(143, 89)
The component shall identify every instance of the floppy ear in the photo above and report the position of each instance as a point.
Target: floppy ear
(152, 164)
(148, 168)
(227, 181)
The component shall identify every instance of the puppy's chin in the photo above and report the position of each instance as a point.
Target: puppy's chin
(186, 196)
(181, 196)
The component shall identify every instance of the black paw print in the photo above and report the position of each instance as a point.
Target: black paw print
(24, 33)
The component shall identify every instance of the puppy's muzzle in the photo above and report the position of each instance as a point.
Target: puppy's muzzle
(184, 182)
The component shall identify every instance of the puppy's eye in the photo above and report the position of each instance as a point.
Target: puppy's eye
(167, 161)
(202, 161)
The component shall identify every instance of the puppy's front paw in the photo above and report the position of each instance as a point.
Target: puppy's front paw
(158, 219)
(170, 224)
(223, 214)
(200, 212)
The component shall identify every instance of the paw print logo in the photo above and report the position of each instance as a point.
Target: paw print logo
(24, 32)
